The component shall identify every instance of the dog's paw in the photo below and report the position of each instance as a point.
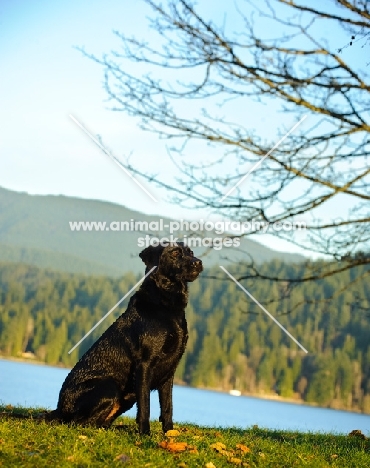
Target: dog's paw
(144, 428)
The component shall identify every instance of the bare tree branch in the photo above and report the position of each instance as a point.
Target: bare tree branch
(208, 68)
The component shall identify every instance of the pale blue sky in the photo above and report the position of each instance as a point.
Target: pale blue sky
(44, 79)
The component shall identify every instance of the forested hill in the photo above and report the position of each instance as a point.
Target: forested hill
(232, 343)
(34, 229)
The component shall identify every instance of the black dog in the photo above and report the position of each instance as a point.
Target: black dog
(139, 352)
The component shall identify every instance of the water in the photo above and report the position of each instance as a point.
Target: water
(38, 386)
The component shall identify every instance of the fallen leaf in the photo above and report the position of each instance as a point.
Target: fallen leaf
(236, 461)
(82, 437)
(172, 433)
(218, 446)
(243, 448)
(174, 446)
(71, 458)
(210, 465)
(221, 448)
(261, 454)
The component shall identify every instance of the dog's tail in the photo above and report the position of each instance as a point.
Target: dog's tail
(47, 416)
(52, 416)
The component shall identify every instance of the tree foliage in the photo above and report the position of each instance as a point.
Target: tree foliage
(232, 344)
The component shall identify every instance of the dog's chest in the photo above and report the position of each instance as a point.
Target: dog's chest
(175, 341)
(161, 349)
(166, 345)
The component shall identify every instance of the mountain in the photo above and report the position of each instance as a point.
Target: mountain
(35, 229)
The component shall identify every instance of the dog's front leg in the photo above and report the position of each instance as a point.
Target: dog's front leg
(143, 398)
(165, 403)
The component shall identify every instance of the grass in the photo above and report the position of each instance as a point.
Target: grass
(33, 443)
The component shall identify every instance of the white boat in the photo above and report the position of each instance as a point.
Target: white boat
(235, 392)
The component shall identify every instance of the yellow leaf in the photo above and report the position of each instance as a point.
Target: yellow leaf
(210, 465)
(225, 453)
(243, 448)
(236, 461)
(172, 433)
(218, 446)
(82, 437)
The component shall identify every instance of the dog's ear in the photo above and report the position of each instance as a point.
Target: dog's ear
(151, 255)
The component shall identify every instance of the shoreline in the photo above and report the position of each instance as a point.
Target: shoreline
(31, 361)
(268, 397)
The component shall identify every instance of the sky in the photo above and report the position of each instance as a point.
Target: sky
(44, 79)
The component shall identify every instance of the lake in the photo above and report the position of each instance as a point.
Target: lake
(38, 386)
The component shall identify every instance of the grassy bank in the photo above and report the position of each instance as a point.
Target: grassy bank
(31, 443)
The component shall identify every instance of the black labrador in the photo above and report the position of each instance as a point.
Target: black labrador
(139, 352)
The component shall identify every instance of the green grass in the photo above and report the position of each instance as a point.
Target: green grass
(31, 443)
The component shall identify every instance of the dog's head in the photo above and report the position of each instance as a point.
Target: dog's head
(175, 261)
